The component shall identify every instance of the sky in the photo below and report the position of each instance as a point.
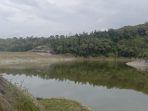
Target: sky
(50, 17)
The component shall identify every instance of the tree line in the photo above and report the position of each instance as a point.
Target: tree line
(129, 41)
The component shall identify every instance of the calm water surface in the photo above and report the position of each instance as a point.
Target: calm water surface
(102, 86)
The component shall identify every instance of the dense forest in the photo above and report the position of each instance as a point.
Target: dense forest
(129, 41)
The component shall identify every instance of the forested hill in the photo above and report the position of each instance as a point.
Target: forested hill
(129, 41)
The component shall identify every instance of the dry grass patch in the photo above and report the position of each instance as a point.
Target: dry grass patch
(21, 60)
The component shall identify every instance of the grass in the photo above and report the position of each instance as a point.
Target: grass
(62, 105)
(21, 60)
(4, 106)
(26, 60)
(14, 99)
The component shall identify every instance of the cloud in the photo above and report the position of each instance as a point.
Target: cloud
(45, 17)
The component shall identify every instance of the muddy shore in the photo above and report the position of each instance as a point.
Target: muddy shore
(139, 64)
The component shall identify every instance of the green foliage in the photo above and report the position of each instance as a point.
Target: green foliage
(14, 99)
(62, 105)
(21, 44)
(110, 74)
(129, 41)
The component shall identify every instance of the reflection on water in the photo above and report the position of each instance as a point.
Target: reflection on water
(104, 86)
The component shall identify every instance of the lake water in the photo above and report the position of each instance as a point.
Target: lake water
(102, 86)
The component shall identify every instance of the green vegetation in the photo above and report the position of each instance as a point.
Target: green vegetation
(61, 105)
(109, 74)
(129, 41)
(14, 99)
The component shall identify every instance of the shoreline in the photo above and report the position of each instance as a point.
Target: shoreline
(9, 92)
(13, 98)
(139, 64)
(33, 59)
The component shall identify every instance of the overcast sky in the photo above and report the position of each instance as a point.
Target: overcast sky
(46, 17)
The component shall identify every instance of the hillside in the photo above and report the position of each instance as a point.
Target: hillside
(128, 41)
